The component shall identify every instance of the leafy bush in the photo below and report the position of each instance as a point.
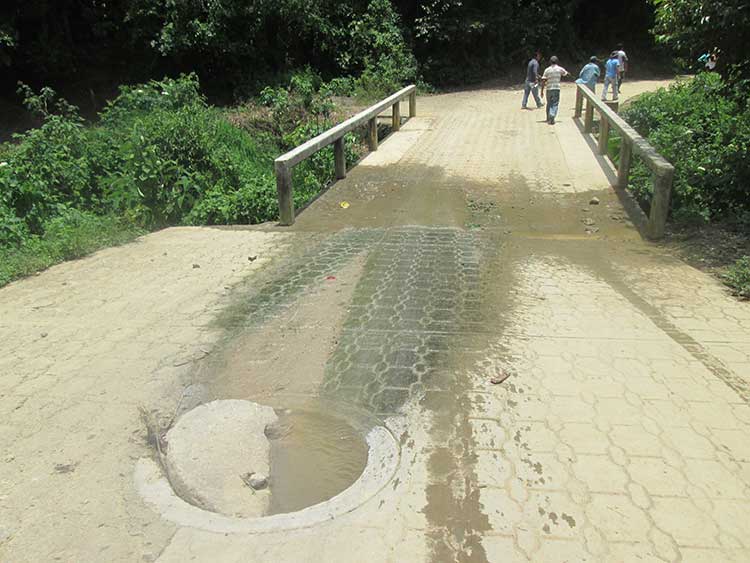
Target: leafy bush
(341, 86)
(706, 135)
(246, 193)
(737, 277)
(159, 156)
(377, 46)
(49, 166)
(167, 94)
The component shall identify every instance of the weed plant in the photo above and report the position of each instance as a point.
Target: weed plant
(159, 155)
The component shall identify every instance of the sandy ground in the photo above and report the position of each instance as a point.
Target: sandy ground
(621, 434)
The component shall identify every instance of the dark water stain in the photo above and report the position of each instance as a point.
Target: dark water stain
(569, 519)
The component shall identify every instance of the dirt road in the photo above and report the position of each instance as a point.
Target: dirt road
(469, 251)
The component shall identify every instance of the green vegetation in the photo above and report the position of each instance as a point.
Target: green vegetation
(706, 134)
(71, 234)
(240, 46)
(737, 277)
(159, 155)
(693, 27)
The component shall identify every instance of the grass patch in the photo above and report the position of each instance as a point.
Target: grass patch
(72, 235)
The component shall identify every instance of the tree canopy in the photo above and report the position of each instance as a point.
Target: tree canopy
(694, 27)
(247, 41)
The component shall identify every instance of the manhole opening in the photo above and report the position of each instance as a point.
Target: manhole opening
(314, 456)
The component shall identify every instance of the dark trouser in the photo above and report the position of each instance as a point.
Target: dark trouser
(531, 88)
(553, 102)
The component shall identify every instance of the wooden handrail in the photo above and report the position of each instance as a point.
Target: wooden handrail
(335, 136)
(632, 143)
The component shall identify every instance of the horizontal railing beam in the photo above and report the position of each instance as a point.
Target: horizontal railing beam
(632, 143)
(305, 150)
(335, 136)
(640, 145)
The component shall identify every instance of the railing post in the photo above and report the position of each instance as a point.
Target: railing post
(284, 189)
(413, 104)
(579, 102)
(657, 219)
(588, 123)
(396, 116)
(623, 168)
(614, 105)
(603, 133)
(339, 157)
(372, 134)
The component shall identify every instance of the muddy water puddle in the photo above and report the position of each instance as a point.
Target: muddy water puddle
(314, 456)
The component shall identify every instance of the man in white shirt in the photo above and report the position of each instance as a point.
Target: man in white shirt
(551, 78)
(623, 60)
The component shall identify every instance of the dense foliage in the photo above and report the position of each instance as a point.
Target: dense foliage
(246, 44)
(706, 135)
(159, 155)
(694, 27)
(232, 44)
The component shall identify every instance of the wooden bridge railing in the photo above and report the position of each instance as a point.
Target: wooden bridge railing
(335, 136)
(632, 142)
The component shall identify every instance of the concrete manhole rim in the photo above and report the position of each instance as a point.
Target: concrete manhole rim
(383, 459)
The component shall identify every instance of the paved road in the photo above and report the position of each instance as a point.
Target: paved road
(469, 249)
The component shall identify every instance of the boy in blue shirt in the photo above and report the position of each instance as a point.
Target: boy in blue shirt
(611, 76)
(590, 74)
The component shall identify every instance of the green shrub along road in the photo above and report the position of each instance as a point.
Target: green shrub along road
(159, 155)
(706, 135)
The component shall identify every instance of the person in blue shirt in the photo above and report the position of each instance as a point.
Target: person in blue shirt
(532, 82)
(590, 74)
(611, 76)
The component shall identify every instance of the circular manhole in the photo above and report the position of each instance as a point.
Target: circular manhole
(321, 465)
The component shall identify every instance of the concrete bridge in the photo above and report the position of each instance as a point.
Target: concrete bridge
(558, 388)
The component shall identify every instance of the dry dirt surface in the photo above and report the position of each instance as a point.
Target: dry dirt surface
(469, 253)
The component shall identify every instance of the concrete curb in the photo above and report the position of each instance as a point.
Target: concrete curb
(382, 461)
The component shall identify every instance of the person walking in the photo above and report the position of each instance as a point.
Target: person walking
(623, 60)
(532, 82)
(589, 74)
(551, 78)
(611, 75)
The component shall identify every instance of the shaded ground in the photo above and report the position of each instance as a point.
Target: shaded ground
(469, 250)
(710, 247)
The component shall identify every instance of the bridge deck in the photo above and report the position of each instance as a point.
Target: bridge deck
(468, 251)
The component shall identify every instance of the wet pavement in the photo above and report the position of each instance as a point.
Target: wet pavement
(469, 252)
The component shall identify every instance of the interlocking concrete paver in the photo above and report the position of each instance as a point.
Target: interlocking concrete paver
(620, 435)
